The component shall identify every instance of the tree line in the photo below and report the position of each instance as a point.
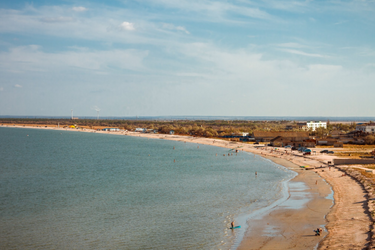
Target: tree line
(203, 128)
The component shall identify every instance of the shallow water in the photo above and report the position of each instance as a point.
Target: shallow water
(70, 190)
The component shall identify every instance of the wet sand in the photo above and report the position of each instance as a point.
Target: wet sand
(290, 225)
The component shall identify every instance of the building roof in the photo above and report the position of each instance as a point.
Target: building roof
(366, 124)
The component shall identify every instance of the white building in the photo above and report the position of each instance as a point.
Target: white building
(368, 128)
(316, 124)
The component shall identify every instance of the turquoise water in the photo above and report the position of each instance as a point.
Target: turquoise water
(71, 190)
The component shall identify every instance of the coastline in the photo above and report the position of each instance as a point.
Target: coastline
(290, 228)
(290, 225)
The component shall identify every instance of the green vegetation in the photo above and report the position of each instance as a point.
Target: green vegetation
(204, 128)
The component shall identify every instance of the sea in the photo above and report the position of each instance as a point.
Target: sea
(210, 118)
(77, 190)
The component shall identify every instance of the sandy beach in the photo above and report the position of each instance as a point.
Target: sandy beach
(290, 225)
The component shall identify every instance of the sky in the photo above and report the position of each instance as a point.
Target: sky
(187, 57)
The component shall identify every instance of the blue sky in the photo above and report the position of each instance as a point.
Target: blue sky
(168, 57)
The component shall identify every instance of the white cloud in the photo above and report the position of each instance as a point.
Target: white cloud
(79, 9)
(172, 27)
(127, 26)
(18, 86)
(1, 89)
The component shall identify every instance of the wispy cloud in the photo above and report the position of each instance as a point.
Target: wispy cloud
(340, 22)
(185, 45)
(32, 58)
(17, 86)
(215, 9)
(56, 19)
(301, 53)
(325, 67)
(291, 45)
(173, 27)
(79, 9)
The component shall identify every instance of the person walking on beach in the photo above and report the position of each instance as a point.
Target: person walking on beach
(318, 231)
(232, 224)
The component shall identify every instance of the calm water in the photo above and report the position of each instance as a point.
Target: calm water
(70, 190)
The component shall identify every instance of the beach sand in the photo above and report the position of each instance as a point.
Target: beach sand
(290, 224)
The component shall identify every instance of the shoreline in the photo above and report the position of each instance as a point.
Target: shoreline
(286, 220)
(290, 224)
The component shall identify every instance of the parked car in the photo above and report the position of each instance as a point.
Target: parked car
(324, 151)
(307, 153)
(294, 148)
(288, 146)
(330, 152)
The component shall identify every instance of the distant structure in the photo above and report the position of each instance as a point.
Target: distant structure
(111, 129)
(302, 125)
(281, 139)
(313, 125)
(366, 127)
(71, 113)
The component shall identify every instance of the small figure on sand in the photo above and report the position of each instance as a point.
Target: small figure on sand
(256, 173)
(232, 224)
(318, 231)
